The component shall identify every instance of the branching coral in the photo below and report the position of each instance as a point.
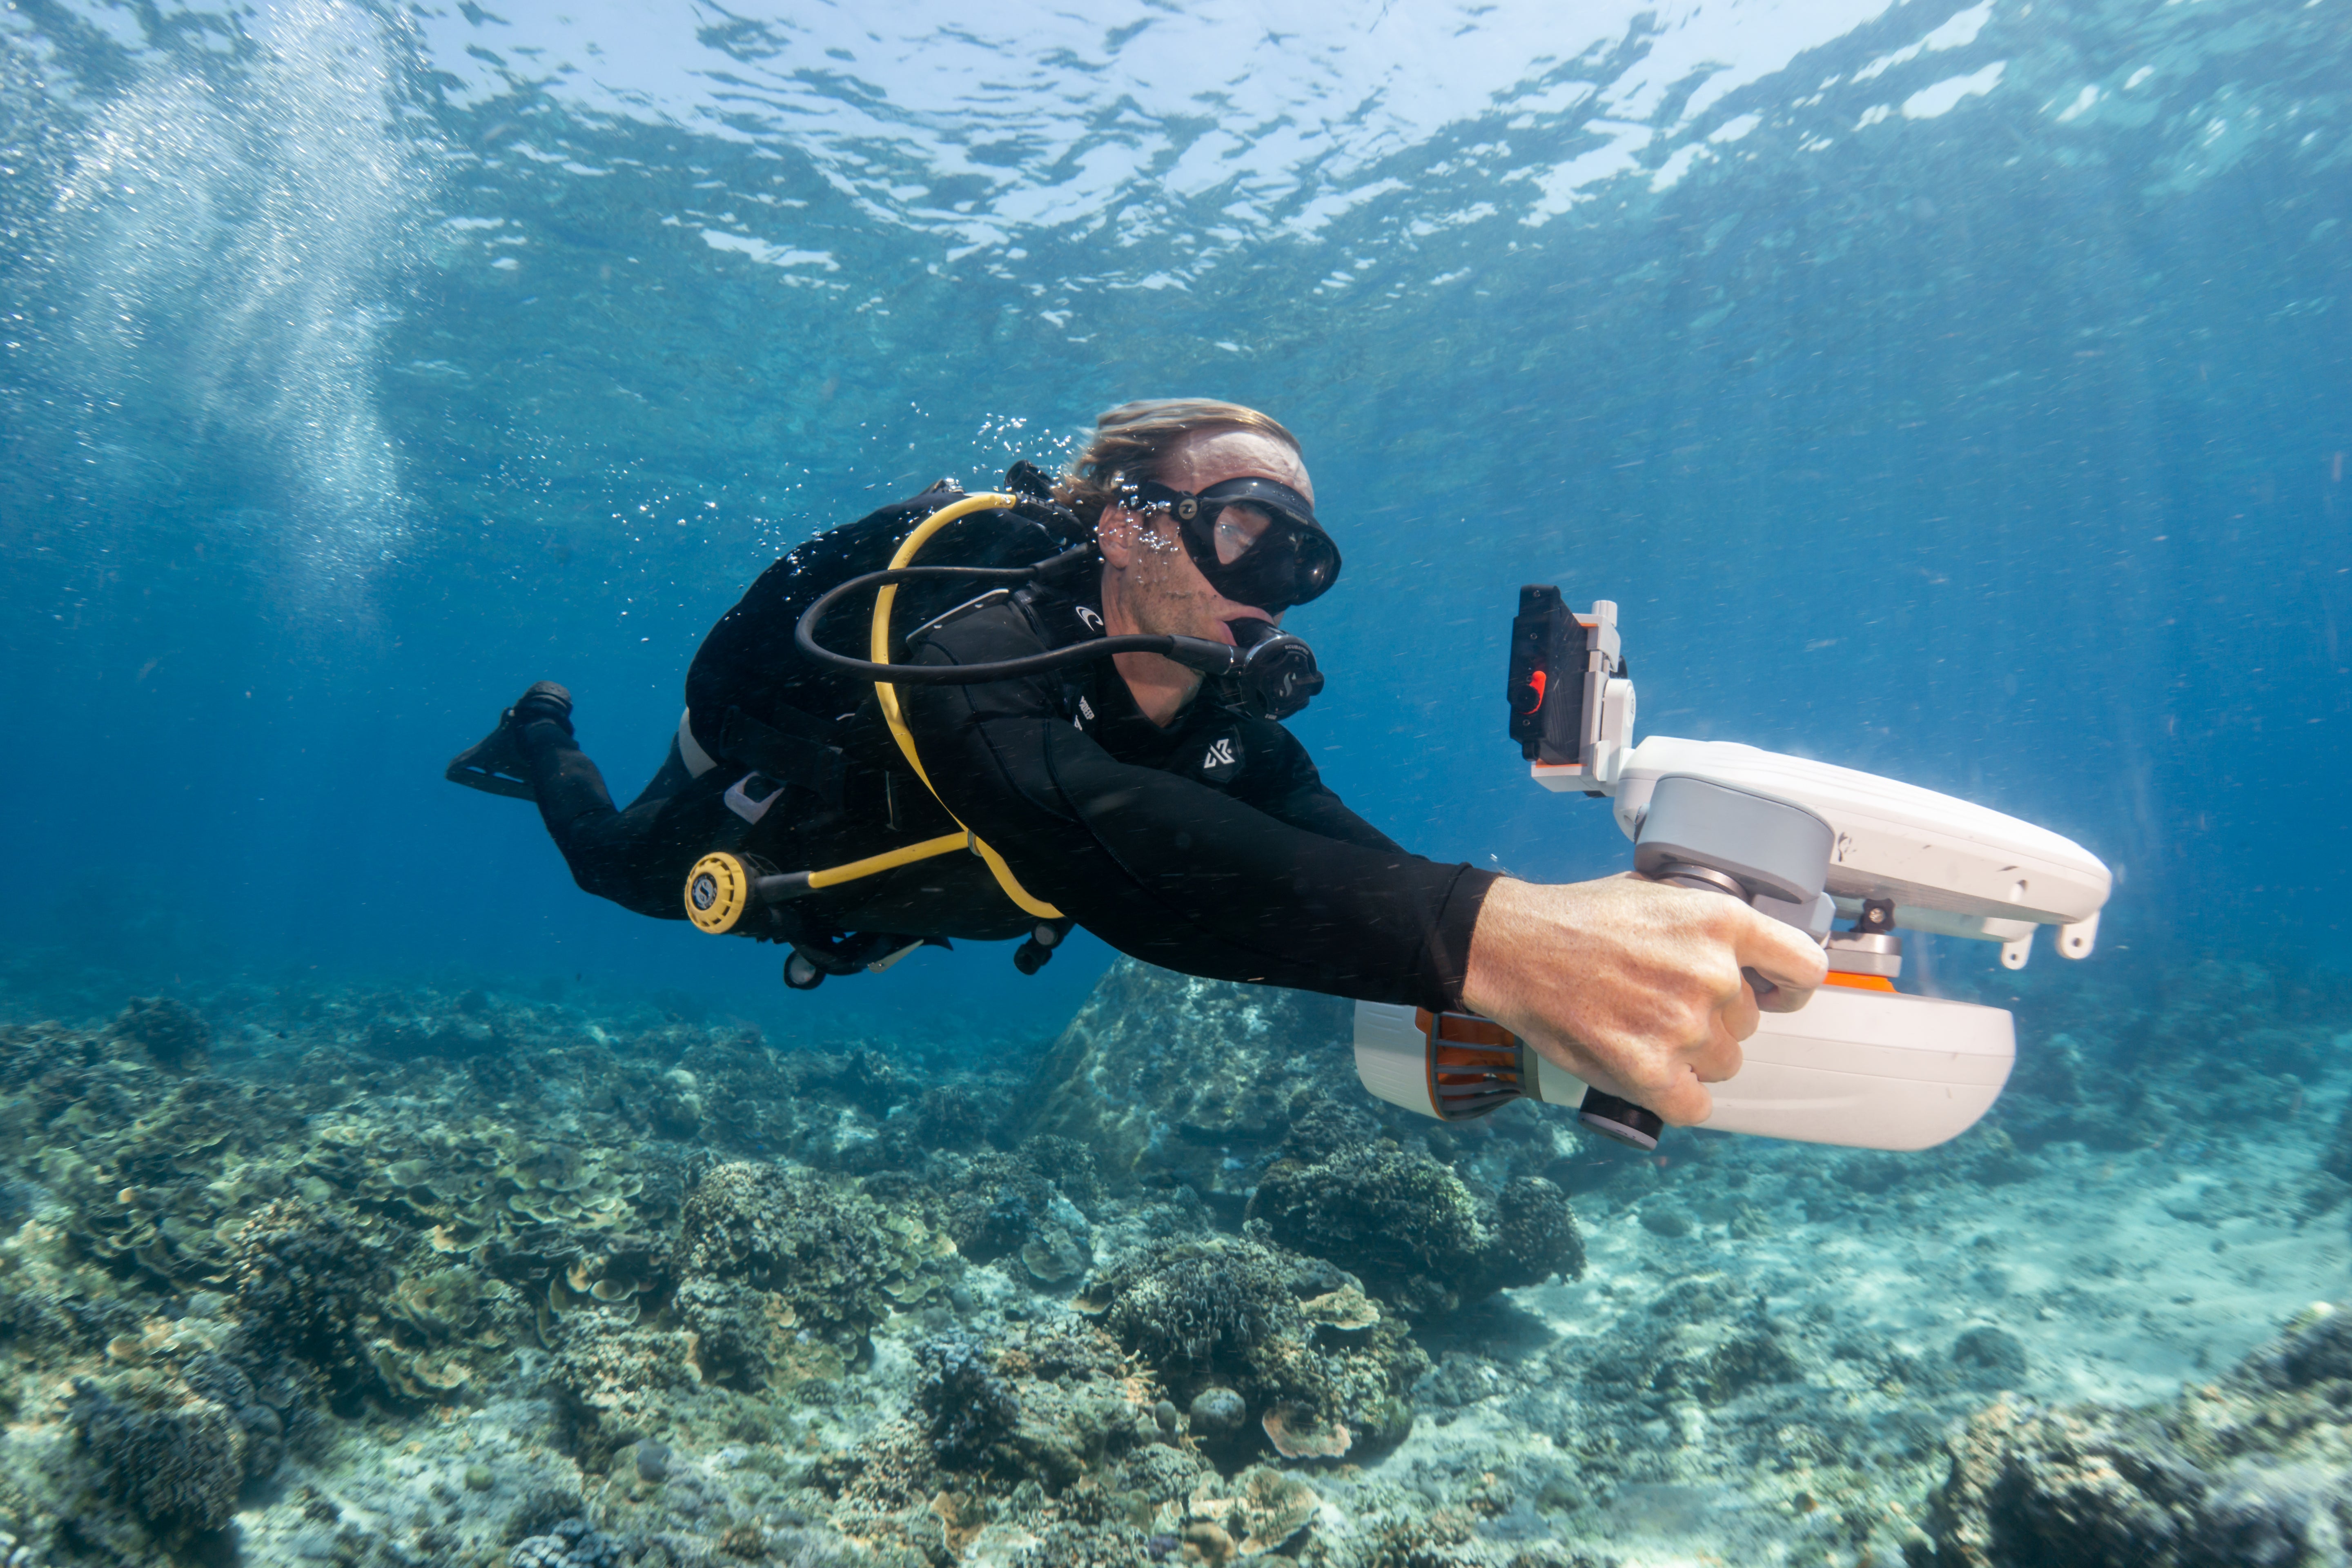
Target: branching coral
(180, 1469)
(967, 1408)
(308, 1284)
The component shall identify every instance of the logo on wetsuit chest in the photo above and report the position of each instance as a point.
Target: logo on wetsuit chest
(1222, 761)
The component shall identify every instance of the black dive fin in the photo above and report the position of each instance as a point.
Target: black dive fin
(495, 762)
(492, 764)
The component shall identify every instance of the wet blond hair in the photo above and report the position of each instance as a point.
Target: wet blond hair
(1132, 440)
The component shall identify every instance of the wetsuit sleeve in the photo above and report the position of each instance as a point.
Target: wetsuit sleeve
(1175, 872)
(1287, 786)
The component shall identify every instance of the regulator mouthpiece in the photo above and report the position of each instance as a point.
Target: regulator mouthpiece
(1278, 675)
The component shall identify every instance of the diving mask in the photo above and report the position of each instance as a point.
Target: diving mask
(1287, 562)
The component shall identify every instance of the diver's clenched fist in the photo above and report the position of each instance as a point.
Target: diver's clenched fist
(1633, 985)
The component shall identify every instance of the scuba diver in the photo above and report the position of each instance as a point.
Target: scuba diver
(994, 717)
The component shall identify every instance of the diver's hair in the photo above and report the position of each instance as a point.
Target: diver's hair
(1132, 440)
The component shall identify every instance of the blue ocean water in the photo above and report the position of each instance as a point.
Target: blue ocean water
(1958, 392)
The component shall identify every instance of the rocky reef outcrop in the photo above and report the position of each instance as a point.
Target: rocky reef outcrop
(1412, 1227)
(1168, 1078)
(2249, 1471)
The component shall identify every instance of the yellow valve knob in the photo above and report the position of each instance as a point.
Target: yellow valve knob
(718, 891)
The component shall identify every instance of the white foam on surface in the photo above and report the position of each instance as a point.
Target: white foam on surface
(1930, 102)
(767, 254)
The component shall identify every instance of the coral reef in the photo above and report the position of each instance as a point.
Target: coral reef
(454, 1275)
(2253, 1469)
(180, 1467)
(172, 1034)
(2227, 1027)
(968, 1410)
(571, 1543)
(1168, 1078)
(308, 1285)
(1315, 1369)
(834, 1260)
(1051, 1435)
(1050, 1406)
(996, 1205)
(781, 1277)
(1702, 1342)
(1412, 1227)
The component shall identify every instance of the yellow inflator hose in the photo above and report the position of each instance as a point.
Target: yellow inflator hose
(887, 696)
(719, 889)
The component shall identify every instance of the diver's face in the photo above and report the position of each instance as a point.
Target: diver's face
(1147, 569)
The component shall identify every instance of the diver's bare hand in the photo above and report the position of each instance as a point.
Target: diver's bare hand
(1633, 985)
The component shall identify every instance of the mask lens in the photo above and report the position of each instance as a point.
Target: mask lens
(1236, 530)
(1285, 565)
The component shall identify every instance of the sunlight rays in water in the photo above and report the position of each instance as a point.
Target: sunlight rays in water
(241, 224)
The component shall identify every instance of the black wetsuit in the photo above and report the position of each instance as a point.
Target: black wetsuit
(1211, 847)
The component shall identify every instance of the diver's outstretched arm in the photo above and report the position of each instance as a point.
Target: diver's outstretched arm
(1631, 985)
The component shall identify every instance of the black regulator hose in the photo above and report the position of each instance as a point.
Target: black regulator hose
(1275, 671)
(1198, 653)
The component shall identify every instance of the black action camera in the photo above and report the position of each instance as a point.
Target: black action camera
(1561, 663)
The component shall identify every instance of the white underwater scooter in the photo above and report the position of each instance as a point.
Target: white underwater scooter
(1861, 1064)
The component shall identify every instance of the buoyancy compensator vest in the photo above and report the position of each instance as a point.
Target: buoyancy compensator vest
(752, 699)
(809, 737)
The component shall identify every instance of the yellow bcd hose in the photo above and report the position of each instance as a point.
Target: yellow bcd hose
(889, 860)
(887, 696)
(719, 889)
